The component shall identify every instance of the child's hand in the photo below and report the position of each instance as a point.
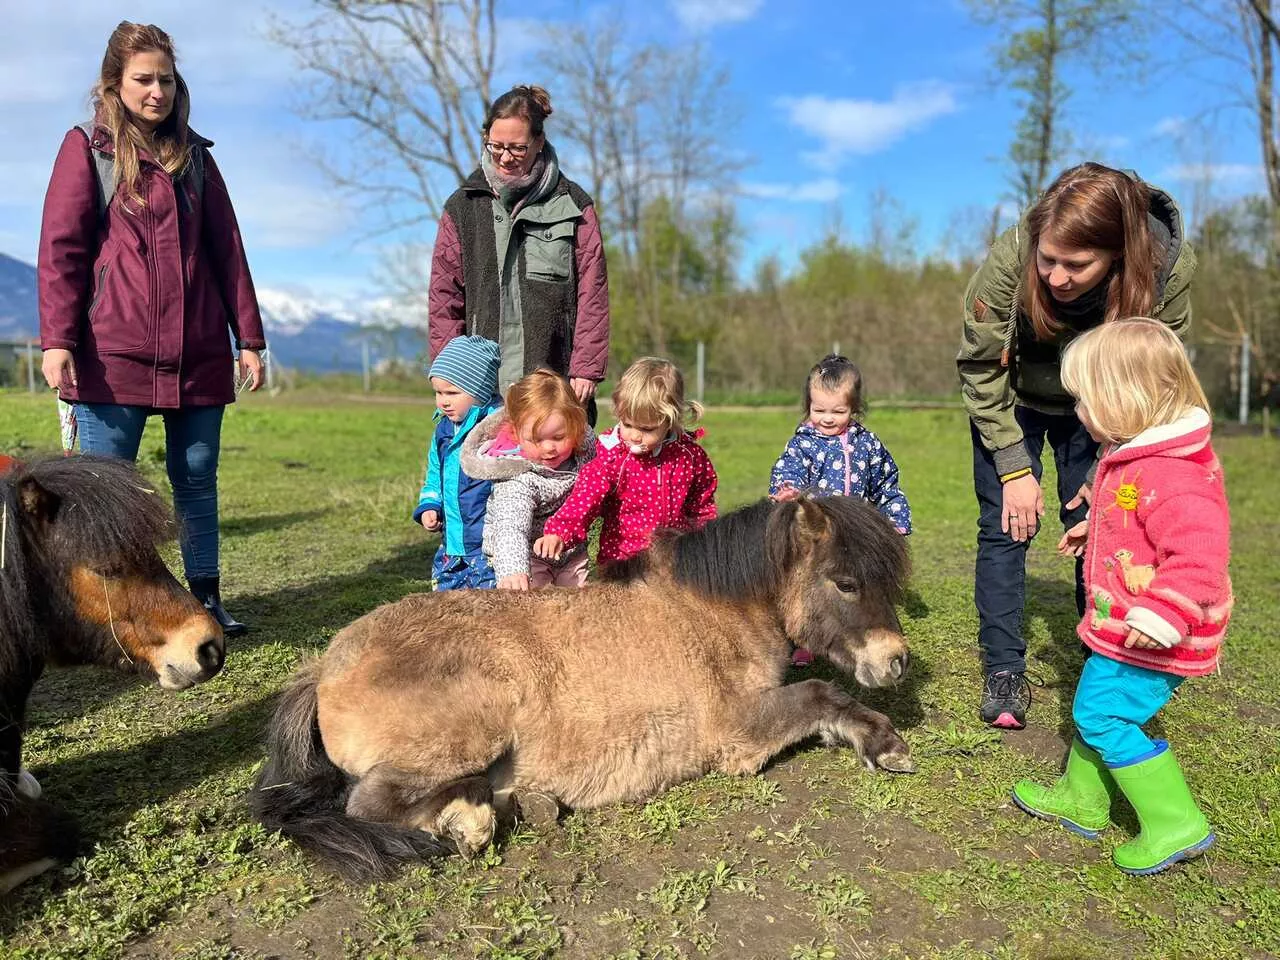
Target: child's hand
(430, 520)
(1137, 638)
(548, 547)
(785, 492)
(1073, 541)
(514, 581)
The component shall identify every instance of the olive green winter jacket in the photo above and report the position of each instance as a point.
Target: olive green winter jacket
(995, 379)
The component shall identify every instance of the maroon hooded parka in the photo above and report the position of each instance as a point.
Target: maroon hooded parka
(147, 300)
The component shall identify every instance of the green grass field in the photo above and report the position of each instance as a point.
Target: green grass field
(813, 859)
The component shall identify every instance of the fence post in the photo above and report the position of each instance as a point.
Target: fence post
(1244, 378)
(835, 347)
(701, 378)
(31, 366)
(364, 363)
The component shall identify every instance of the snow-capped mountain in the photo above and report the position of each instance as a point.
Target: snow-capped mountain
(303, 332)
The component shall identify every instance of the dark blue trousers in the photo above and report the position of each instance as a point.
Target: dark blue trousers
(1000, 577)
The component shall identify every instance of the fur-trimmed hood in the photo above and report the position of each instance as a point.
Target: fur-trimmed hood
(477, 462)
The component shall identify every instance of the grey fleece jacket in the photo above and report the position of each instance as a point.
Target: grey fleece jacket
(524, 495)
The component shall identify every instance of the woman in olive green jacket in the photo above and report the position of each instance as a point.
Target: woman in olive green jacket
(1098, 245)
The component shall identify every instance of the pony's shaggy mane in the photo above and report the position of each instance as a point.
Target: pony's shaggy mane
(744, 554)
(101, 514)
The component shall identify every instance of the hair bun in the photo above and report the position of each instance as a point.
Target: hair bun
(539, 96)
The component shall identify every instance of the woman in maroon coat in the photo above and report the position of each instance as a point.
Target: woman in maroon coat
(144, 285)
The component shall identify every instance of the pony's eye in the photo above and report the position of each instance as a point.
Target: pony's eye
(845, 585)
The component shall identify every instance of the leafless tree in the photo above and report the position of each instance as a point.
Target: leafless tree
(410, 79)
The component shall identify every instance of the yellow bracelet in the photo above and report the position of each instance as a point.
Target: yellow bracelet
(1015, 475)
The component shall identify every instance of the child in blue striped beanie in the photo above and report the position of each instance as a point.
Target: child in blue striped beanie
(464, 376)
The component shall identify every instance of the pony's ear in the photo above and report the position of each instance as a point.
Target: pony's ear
(811, 524)
(37, 501)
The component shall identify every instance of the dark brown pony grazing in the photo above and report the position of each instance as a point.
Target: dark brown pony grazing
(81, 581)
(422, 711)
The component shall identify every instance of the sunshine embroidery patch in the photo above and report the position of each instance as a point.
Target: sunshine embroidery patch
(1126, 494)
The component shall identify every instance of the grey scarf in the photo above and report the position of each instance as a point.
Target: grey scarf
(530, 188)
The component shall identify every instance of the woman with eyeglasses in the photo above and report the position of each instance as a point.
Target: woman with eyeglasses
(1099, 245)
(519, 258)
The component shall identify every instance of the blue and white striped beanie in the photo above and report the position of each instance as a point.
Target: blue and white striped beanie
(471, 365)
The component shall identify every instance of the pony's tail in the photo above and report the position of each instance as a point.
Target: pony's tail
(302, 793)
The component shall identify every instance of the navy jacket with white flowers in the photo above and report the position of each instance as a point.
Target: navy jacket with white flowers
(853, 464)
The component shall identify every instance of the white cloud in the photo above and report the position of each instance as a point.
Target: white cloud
(1212, 172)
(847, 126)
(814, 191)
(1170, 127)
(705, 14)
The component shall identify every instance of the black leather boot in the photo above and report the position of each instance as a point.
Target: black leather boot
(205, 590)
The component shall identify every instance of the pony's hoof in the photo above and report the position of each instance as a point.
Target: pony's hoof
(897, 760)
(471, 827)
(538, 809)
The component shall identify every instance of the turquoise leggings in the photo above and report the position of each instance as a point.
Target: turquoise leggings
(1113, 701)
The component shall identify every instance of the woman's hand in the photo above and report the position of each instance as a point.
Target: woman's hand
(250, 364)
(1083, 496)
(59, 368)
(548, 547)
(1022, 508)
(514, 581)
(583, 388)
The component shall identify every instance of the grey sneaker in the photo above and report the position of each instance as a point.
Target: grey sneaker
(1006, 697)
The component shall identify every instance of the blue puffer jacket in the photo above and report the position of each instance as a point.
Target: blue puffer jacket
(458, 498)
(854, 464)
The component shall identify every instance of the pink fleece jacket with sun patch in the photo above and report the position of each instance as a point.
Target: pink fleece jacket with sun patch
(1159, 542)
(637, 495)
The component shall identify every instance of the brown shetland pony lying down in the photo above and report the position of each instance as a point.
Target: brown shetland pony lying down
(424, 714)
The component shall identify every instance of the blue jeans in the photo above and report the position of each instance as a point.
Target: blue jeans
(462, 573)
(1000, 578)
(192, 436)
(1113, 701)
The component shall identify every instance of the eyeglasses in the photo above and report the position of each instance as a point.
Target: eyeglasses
(496, 150)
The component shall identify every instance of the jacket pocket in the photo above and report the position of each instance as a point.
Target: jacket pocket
(119, 315)
(548, 251)
(97, 291)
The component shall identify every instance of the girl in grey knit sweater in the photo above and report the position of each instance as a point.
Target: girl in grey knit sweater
(531, 449)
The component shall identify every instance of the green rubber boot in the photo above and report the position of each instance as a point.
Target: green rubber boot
(1173, 828)
(1079, 801)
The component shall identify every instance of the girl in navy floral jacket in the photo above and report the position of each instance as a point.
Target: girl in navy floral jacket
(832, 454)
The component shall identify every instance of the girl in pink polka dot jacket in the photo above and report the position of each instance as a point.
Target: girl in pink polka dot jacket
(649, 472)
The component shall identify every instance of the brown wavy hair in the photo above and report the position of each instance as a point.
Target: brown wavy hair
(527, 102)
(1092, 206)
(168, 143)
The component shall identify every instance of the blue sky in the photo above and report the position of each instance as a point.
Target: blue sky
(840, 100)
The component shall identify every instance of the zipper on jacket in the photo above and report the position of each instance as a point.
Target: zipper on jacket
(97, 292)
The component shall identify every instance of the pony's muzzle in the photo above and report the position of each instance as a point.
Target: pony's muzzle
(210, 656)
(883, 659)
(191, 655)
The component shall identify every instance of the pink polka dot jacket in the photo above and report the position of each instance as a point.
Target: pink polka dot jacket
(637, 495)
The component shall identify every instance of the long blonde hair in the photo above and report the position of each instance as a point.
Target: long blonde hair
(651, 391)
(1131, 375)
(168, 143)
